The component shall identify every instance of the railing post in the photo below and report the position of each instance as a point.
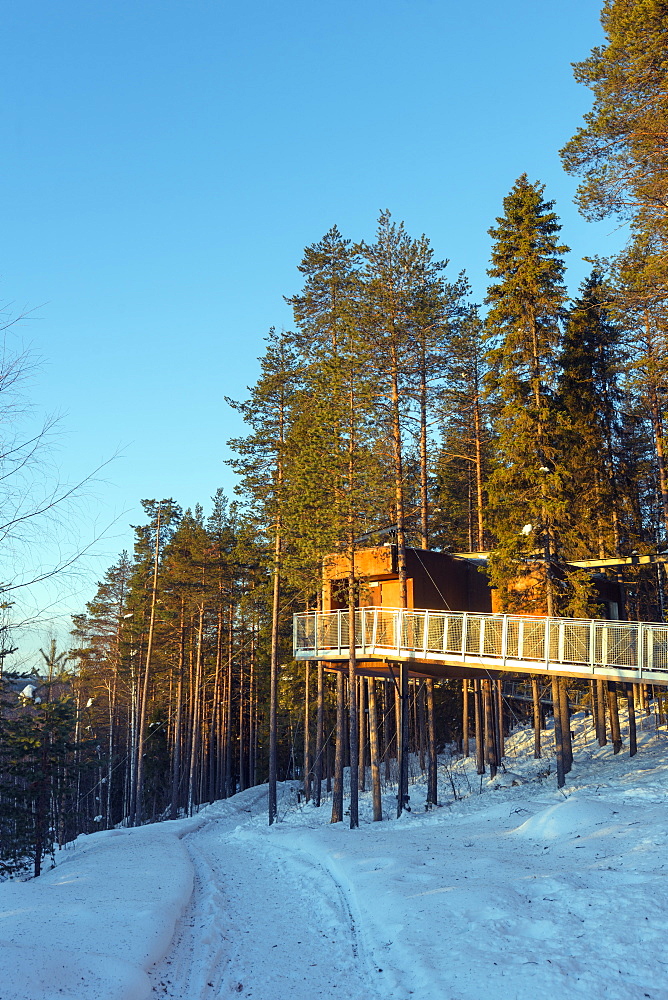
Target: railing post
(640, 649)
(374, 628)
(338, 629)
(546, 639)
(481, 644)
(561, 642)
(465, 624)
(400, 629)
(504, 639)
(592, 646)
(425, 635)
(520, 640)
(446, 623)
(604, 645)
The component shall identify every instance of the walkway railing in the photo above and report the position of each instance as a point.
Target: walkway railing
(631, 651)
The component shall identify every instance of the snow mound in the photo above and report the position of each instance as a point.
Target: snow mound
(101, 918)
(506, 780)
(577, 816)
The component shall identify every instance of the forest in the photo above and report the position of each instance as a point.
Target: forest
(396, 408)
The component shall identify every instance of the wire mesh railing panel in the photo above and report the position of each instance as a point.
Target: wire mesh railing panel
(473, 636)
(575, 642)
(435, 632)
(655, 653)
(616, 645)
(412, 630)
(493, 638)
(533, 640)
(305, 632)
(453, 638)
(386, 622)
(513, 638)
(328, 631)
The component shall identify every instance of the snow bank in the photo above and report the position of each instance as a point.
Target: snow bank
(91, 927)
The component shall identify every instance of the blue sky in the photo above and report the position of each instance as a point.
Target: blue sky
(165, 163)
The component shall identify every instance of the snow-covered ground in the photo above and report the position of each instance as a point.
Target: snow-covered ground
(511, 890)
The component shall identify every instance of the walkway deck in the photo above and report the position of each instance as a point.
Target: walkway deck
(443, 643)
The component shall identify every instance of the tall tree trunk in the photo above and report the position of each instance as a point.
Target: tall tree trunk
(361, 703)
(633, 742)
(432, 762)
(490, 739)
(465, 717)
(565, 726)
(477, 431)
(402, 792)
(273, 697)
(307, 730)
(479, 734)
(601, 700)
(398, 478)
(337, 795)
(537, 717)
(558, 736)
(615, 729)
(424, 465)
(319, 733)
(176, 756)
(141, 736)
(196, 697)
(373, 742)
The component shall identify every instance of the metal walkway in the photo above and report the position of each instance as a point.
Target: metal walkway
(613, 650)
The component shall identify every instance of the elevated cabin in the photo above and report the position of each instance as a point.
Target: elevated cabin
(438, 581)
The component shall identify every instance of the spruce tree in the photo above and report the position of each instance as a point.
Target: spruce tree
(590, 395)
(526, 303)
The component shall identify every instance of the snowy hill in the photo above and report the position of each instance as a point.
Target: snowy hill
(510, 890)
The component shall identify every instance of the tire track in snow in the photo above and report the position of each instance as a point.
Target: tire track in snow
(266, 922)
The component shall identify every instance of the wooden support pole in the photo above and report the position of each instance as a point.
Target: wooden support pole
(319, 732)
(630, 702)
(388, 735)
(422, 726)
(593, 693)
(362, 734)
(601, 700)
(565, 715)
(337, 796)
(479, 734)
(432, 764)
(500, 740)
(307, 730)
(402, 792)
(558, 739)
(465, 717)
(373, 743)
(537, 717)
(490, 740)
(613, 706)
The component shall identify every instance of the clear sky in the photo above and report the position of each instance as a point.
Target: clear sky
(165, 163)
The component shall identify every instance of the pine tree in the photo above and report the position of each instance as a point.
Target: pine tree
(620, 151)
(465, 454)
(262, 465)
(101, 654)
